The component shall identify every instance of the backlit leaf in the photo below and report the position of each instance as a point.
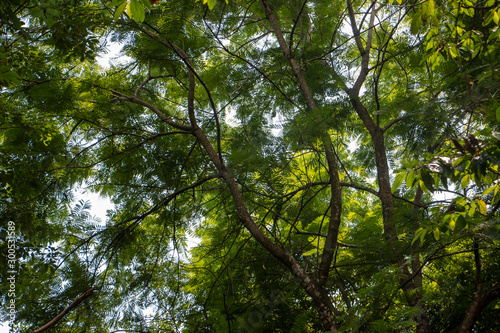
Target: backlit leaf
(137, 10)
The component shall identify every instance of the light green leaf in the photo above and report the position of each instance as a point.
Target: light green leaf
(458, 161)
(424, 188)
(495, 17)
(453, 52)
(119, 10)
(137, 10)
(489, 189)
(482, 206)
(437, 234)
(211, 3)
(465, 181)
(410, 178)
(398, 181)
(452, 224)
(428, 8)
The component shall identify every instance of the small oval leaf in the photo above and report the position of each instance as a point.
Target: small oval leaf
(437, 234)
(482, 207)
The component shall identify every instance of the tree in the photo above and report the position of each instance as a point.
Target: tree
(279, 134)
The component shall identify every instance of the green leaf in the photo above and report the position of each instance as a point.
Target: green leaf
(453, 52)
(444, 181)
(422, 235)
(458, 161)
(461, 222)
(482, 206)
(416, 22)
(137, 10)
(427, 179)
(410, 179)
(497, 113)
(422, 186)
(472, 209)
(428, 8)
(437, 234)
(147, 4)
(452, 224)
(418, 234)
(489, 189)
(398, 181)
(211, 3)
(465, 181)
(119, 10)
(115, 3)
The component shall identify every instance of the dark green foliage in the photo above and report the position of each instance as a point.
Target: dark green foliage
(177, 252)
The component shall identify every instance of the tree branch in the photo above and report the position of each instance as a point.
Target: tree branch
(75, 303)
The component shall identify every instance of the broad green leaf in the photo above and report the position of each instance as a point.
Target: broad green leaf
(465, 181)
(458, 161)
(422, 235)
(428, 180)
(452, 224)
(495, 17)
(482, 206)
(453, 52)
(410, 179)
(489, 189)
(147, 4)
(119, 10)
(437, 234)
(428, 8)
(461, 223)
(422, 185)
(398, 181)
(137, 10)
(416, 23)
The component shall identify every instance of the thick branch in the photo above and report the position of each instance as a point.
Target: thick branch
(480, 302)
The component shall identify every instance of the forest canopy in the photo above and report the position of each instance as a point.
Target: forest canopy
(274, 166)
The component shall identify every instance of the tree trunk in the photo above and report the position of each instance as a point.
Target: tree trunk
(478, 304)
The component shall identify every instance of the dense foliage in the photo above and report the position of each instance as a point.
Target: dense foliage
(274, 166)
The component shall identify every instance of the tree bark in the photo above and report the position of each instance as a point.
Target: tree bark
(478, 304)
